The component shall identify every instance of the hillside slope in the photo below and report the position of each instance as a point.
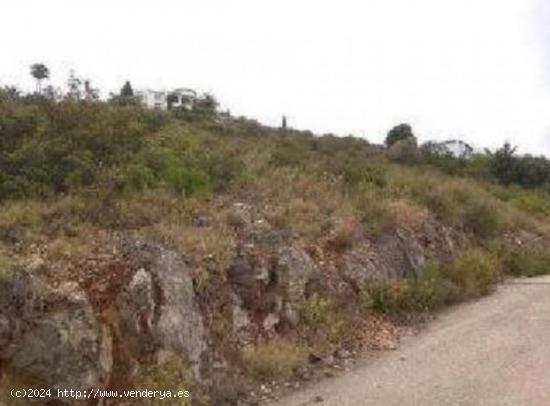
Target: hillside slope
(149, 249)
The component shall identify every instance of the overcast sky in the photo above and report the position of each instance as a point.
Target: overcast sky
(478, 70)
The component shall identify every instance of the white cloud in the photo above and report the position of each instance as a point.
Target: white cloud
(452, 68)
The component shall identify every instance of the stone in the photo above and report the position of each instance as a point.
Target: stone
(343, 353)
(394, 254)
(294, 269)
(239, 315)
(35, 263)
(54, 339)
(270, 321)
(136, 309)
(160, 307)
(248, 275)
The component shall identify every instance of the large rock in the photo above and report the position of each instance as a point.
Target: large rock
(157, 312)
(392, 255)
(50, 336)
(273, 283)
(249, 277)
(294, 269)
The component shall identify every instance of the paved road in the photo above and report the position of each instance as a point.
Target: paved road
(495, 351)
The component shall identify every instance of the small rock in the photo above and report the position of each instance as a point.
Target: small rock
(318, 399)
(35, 264)
(329, 360)
(328, 374)
(314, 358)
(306, 376)
(343, 353)
(201, 221)
(270, 321)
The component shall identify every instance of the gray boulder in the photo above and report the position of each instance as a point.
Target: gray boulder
(294, 269)
(158, 315)
(50, 335)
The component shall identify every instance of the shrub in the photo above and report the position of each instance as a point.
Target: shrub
(399, 133)
(6, 265)
(532, 202)
(276, 359)
(406, 298)
(438, 199)
(481, 217)
(185, 181)
(361, 175)
(471, 274)
(139, 177)
(527, 262)
(343, 238)
(474, 272)
(173, 375)
(303, 217)
(317, 311)
(404, 151)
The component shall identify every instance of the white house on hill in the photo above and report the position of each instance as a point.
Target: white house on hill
(457, 148)
(162, 99)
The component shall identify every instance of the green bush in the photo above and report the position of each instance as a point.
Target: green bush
(474, 272)
(361, 175)
(527, 262)
(317, 311)
(405, 298)
(533, 202)
(174, 375)
(439, 201)
(6, 265)
(138, 177)
(481, 217)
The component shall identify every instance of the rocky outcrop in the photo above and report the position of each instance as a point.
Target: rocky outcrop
(526, 240)
(157, 313)
(271, 285)
(399, 253)
(293, 270)
(63, 336)
(392, 255)
(50, 336)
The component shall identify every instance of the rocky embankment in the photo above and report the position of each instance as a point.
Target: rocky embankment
(138, 305)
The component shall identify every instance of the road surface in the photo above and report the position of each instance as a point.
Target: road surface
(494, 351)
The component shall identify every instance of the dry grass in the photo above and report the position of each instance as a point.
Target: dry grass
(277, 359)
(6, 265)
(211, 248)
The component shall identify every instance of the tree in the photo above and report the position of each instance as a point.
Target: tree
(284, 123)
(39, 71)
(504, 164)
(206, 105)
(90, 93)
(74, 84)
(9, 92)
(127, 90)
(399, 133)
(532, 171)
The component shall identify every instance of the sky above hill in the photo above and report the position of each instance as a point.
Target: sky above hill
(478, 70)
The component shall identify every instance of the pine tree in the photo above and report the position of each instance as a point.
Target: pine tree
(127, 90)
